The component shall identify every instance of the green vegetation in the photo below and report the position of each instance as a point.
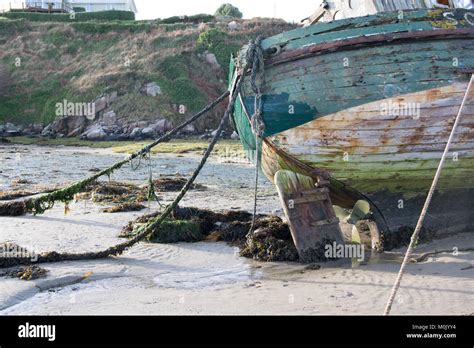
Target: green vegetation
(111, 26)
(175, 231)
(13, 26)
(228, 10)
(183, 92)
(76, 17)
(68, 142)
(173, 67)
(196, 19)
(180, 146)
(79, 9)
(217, 42)
(5, 81)
(167, 42)
(175, 146)
(39, 106)
(177, 85)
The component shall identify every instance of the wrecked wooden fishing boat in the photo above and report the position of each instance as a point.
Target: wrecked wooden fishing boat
(371, 100)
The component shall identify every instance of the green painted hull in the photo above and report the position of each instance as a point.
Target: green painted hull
(322, 108)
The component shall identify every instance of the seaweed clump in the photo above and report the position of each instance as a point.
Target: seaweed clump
(123, 197)
(172, 184)
(271, 240)
(114, 192)
(124, 207)
(30, 272)
(402, 237)
(13, 208)
(128, 196)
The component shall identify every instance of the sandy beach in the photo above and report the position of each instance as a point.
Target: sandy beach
(205, 277)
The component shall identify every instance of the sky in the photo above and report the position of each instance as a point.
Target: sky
(290, 10)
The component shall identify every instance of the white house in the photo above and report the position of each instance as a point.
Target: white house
(104, 5)
(67, 5)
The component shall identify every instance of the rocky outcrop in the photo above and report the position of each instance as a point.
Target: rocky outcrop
(33, 129)
(68, 126)
(10, 130)
(103, 102)
(211, 59)
(151, 89)
(109, 129)
(79, 125)
(109, 118)
(136, 134)
(149, 131)
(188, 130)
(235, 136)
(95, 133)
(210, 133)
(234, 26)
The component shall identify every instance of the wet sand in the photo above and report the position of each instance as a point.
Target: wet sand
(205, 277)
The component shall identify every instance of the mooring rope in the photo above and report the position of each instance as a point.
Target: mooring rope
(151, 195)
(143, 231)
(414, 237)
(255, 191)
(40, 204)
(134, 168)
(254, 56)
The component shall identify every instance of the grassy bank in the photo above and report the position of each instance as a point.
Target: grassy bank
(227, 148)
(48, 63)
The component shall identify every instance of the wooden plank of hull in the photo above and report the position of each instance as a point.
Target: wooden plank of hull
(437, 19)
(395, 53)
(356, 42)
